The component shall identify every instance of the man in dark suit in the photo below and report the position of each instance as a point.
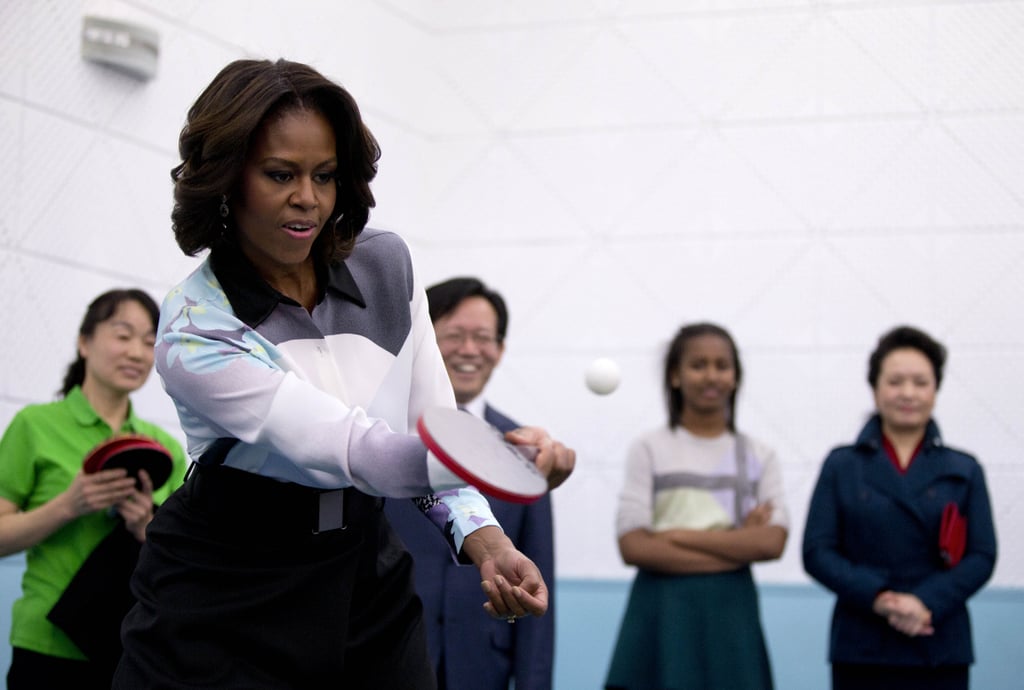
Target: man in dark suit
(470, 649)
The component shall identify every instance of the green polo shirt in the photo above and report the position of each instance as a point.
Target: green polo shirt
(40, 453)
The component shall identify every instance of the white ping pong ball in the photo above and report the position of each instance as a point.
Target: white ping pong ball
(603, 376)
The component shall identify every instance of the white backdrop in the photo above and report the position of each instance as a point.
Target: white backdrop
(806, 173)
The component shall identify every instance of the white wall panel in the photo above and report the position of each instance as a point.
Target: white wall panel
(806, 173)
(500, 78)
(42, 320)
(12, 116)
(16, 18)
(400, 188)
(978, 54)
(495, 190)
(454, 15)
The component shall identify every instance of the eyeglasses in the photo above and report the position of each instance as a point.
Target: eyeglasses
(481, 339)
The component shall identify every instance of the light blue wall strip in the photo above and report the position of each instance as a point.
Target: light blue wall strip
(795, 618)
(796, 622)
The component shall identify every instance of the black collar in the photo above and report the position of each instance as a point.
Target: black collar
(871, 435)
(253, 299)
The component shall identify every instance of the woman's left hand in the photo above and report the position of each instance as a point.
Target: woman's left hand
(514, 586)
(512, 582)
(905, 612)
(137, 509)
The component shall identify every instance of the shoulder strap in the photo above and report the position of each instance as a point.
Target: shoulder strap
(743, 488)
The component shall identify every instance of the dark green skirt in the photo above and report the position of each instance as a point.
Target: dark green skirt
(690, 632)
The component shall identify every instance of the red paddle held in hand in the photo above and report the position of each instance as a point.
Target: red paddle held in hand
(478, 454)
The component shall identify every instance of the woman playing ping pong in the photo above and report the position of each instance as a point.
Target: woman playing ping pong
(299, 355)
(59, 514)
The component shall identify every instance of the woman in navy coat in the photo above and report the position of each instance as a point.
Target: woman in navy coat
(873, 533)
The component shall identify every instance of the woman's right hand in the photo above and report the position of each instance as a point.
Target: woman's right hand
(904, 612)
(90, 493)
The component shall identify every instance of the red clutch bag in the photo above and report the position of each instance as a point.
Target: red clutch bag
(952, 535)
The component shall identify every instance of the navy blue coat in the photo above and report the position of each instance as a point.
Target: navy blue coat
(870, 529)
(478, 651)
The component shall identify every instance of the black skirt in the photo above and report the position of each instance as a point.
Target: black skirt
(871, 677)
(236, 590)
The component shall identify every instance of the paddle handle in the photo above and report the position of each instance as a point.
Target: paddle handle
(529, 453)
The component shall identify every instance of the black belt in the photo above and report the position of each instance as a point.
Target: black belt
(256, 502)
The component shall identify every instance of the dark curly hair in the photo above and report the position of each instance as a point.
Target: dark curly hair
(903, 337)
(217, 134)
(101, 309)
(674, 357)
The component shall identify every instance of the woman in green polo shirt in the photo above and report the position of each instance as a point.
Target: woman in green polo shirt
(56, 513)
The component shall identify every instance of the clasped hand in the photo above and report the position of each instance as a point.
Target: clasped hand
(904, 612)
(90, 493)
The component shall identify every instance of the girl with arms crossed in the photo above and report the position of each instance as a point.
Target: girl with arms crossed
(701, 502)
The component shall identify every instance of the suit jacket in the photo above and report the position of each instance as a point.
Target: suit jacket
(870, 529)
(469, 648)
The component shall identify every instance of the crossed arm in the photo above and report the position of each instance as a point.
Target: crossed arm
(688, 551)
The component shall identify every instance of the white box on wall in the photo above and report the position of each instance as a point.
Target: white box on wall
(130, 48)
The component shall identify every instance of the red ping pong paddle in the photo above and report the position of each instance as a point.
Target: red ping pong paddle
(132, 452)
(478, 454)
